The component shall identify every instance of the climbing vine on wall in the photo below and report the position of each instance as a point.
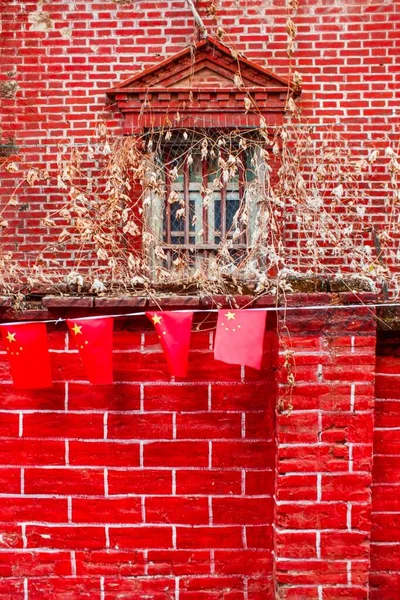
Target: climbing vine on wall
(309, 200)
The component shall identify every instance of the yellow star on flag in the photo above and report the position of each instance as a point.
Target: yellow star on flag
(11, 337)
(230, 315)
(77, 329)
(156, 320)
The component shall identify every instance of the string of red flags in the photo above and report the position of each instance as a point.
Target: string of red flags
(239, 339)
(94, 340)
(28, 354)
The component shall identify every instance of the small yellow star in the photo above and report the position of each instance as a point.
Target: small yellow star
(230, 316)
(11, 337)
(77, 329)
(156, 319)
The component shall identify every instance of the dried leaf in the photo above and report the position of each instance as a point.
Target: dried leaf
(12, 167)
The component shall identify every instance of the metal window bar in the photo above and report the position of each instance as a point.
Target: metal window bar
(168, 189)
(242, 190)
(186, 200)
(204, 181)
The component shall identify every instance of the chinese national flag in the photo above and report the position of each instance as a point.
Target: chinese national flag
(239, 337)
(174, 330)
(94, 340)
(28, 353)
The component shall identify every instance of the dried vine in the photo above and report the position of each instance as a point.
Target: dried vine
(309, 199)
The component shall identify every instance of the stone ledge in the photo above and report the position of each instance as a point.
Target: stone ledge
(174, 301)
(27, 315)
(120, 302)
(329, 298)
(5, 302)
(68, 302)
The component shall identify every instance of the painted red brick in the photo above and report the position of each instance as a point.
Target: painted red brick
(106, 510)
(243, 562)
(209, 482)
(64, 481)
(122, 426)
(10, 482)
(33, 509)
(56, 425)
(176, 454)
(146, 587)
(209, 426)
(178, 562)
(12, 589)
(141, 537)
(59, 589)
(242, 454)
(66, 537)
(178, 510)
(140, 481)
(35, 564)
(83, 444)
(113, 563)
(114, 397)
(32, 452)
(242, 510)
(212, 588)
(209, 537)
(175, 398)
(104, 453)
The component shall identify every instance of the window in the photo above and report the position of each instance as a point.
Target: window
(203, 205)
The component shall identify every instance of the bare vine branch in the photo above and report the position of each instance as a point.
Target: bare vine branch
(198, 19)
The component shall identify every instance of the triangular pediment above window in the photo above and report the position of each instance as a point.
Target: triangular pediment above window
(203, 83)
(190, 67)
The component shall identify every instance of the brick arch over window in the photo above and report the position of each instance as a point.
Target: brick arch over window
(207, 85)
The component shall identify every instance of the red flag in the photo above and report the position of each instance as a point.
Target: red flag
(174, 330)
(94, 340)
(239, 337)
(28, 353)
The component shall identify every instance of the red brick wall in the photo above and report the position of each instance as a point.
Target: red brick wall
(222, 485)
(324, 454)
(347, 52)
(145, 489)
(385, 550)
